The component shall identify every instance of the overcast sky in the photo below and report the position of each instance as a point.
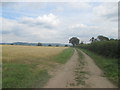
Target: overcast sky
(51, 22)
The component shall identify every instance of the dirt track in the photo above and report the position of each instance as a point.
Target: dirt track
(79, 75)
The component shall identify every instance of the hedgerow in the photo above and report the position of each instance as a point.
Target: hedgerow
(104, 48)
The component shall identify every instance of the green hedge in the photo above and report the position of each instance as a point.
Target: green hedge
(104, 48)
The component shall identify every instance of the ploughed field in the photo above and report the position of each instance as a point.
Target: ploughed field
(29, 66)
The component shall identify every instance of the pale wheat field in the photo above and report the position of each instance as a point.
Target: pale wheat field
(30, 66)
(14, 53)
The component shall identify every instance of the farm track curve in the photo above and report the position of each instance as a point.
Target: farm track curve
(65, 76)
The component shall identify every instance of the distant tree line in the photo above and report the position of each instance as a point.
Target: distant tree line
(99, 38)
(57, 45)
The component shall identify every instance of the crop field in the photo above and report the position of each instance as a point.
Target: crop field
(28, 66)
(26, 54)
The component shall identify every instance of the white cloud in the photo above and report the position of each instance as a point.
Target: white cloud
(85, 32)
(82, 26)
(18, 31)
(78, 26)
(14, 30)
(43, 27)
(107, 10)
(49, 20)
(7, 24)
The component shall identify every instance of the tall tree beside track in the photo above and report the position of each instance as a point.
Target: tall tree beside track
(74, 41)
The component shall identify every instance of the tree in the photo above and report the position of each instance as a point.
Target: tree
(39, 44)
(11, 44)
(66, 45)
(81, 42)
(49, 45)
(74, 41)
(95, 40)
(112, 39)
(92, 39)
(102, 38)
(57, 45)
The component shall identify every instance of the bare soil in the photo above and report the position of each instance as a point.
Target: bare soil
(78, 73)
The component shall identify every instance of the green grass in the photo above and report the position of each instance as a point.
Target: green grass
(79, 72)
(64, 56)
(23, 76)
(81, 56)
(108, 65)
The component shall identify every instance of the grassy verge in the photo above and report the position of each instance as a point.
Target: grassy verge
(23, 76)
(64, 56)
(81, 56)
(28, 71)
(108, 65)
(79, 72)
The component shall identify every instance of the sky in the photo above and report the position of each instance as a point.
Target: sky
(57, 22)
